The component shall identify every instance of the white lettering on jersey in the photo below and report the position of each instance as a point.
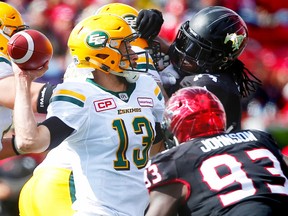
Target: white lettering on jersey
(105, 104)
(145, 102)
(225, 140)
(213, 78)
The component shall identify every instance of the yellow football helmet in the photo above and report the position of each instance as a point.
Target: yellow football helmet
(129, 14)
(10, 23)
(125, 11)
(94, 43)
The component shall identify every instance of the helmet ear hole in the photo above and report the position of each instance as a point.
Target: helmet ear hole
(102, 56)
(225, 59)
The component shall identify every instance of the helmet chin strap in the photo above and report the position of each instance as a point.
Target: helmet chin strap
(131, 77)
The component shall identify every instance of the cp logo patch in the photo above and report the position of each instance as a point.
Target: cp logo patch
(105, 104)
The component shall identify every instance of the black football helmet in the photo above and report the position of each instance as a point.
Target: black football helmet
(210, 41)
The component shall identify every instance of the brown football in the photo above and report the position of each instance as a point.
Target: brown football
(30, 49)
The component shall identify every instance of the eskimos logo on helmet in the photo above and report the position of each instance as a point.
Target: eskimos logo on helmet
(131, 20)
(97, 39)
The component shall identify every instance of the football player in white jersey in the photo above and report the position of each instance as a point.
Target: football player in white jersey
(60, 186)
(109, 122)
(10, 23)
(130, 14)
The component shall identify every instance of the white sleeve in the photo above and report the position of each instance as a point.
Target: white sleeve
(68, 105)
(6, 68)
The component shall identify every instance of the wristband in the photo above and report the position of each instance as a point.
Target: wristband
(44, 98)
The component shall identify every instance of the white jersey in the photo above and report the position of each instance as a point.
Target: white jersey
(114, 133)
(56, 157)
(5, 113)
(59, 157)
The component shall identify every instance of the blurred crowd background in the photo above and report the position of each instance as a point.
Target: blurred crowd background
(266, 55)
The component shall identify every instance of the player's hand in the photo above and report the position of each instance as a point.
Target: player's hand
(149, 23)
(30, 74)
(169, 76)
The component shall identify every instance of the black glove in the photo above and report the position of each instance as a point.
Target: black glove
(149, 23)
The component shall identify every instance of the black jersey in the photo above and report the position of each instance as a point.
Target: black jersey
(224, 87)
(223, 171)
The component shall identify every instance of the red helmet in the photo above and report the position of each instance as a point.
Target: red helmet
(193, 112)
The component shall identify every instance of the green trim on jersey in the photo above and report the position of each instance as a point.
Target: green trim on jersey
(72, 188)
(144, 66)
(2, 59)
(69, 96)
(67, 99)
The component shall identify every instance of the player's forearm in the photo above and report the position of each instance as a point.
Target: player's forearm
(29, 137)
(164, 44)
(160, 205)
(156, 148)
(24, 120)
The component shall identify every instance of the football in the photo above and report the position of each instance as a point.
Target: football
(29, 49)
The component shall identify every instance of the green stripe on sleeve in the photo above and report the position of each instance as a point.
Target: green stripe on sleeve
(68, 99)
(5, 60)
